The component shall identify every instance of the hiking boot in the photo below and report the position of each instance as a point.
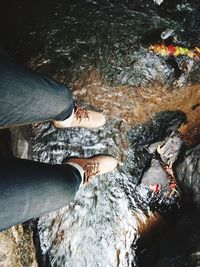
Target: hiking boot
(94, 165)
(82, 118)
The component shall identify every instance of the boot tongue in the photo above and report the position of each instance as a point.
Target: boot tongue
(90, 169)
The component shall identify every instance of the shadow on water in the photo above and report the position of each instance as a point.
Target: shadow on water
(179, 246)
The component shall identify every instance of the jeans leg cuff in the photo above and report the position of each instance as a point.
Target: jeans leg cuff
(81, 171)
(66, 113)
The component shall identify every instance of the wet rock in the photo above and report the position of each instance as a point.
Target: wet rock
(171, 250)
(111, 40)
(142, 136)
(117, 54)
(110, 206)
(16, 248)
(188, 172)
(73, 42)
(156, 129)
(186, 13)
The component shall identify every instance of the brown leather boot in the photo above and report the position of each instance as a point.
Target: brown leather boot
(82, 118)
(94, 165)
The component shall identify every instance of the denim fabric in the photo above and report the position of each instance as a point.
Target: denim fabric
(27, 96)
(30, 189)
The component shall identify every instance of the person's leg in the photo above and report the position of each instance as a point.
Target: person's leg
(30, 189)
(27, 96)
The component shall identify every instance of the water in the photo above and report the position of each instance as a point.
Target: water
(101, 227)
(68, 39)
(101, 49)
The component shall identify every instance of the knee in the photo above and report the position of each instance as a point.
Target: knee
(66, 103)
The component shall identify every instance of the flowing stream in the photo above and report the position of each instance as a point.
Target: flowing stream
(100, 228)
(101, 49)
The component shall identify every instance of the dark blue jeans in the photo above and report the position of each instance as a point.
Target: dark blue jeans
(30, 189)
(27, 96)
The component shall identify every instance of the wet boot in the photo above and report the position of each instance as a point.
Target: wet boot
(95, 165)
(82, 118)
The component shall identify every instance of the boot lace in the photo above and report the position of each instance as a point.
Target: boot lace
(81, 113)
(90, 169)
